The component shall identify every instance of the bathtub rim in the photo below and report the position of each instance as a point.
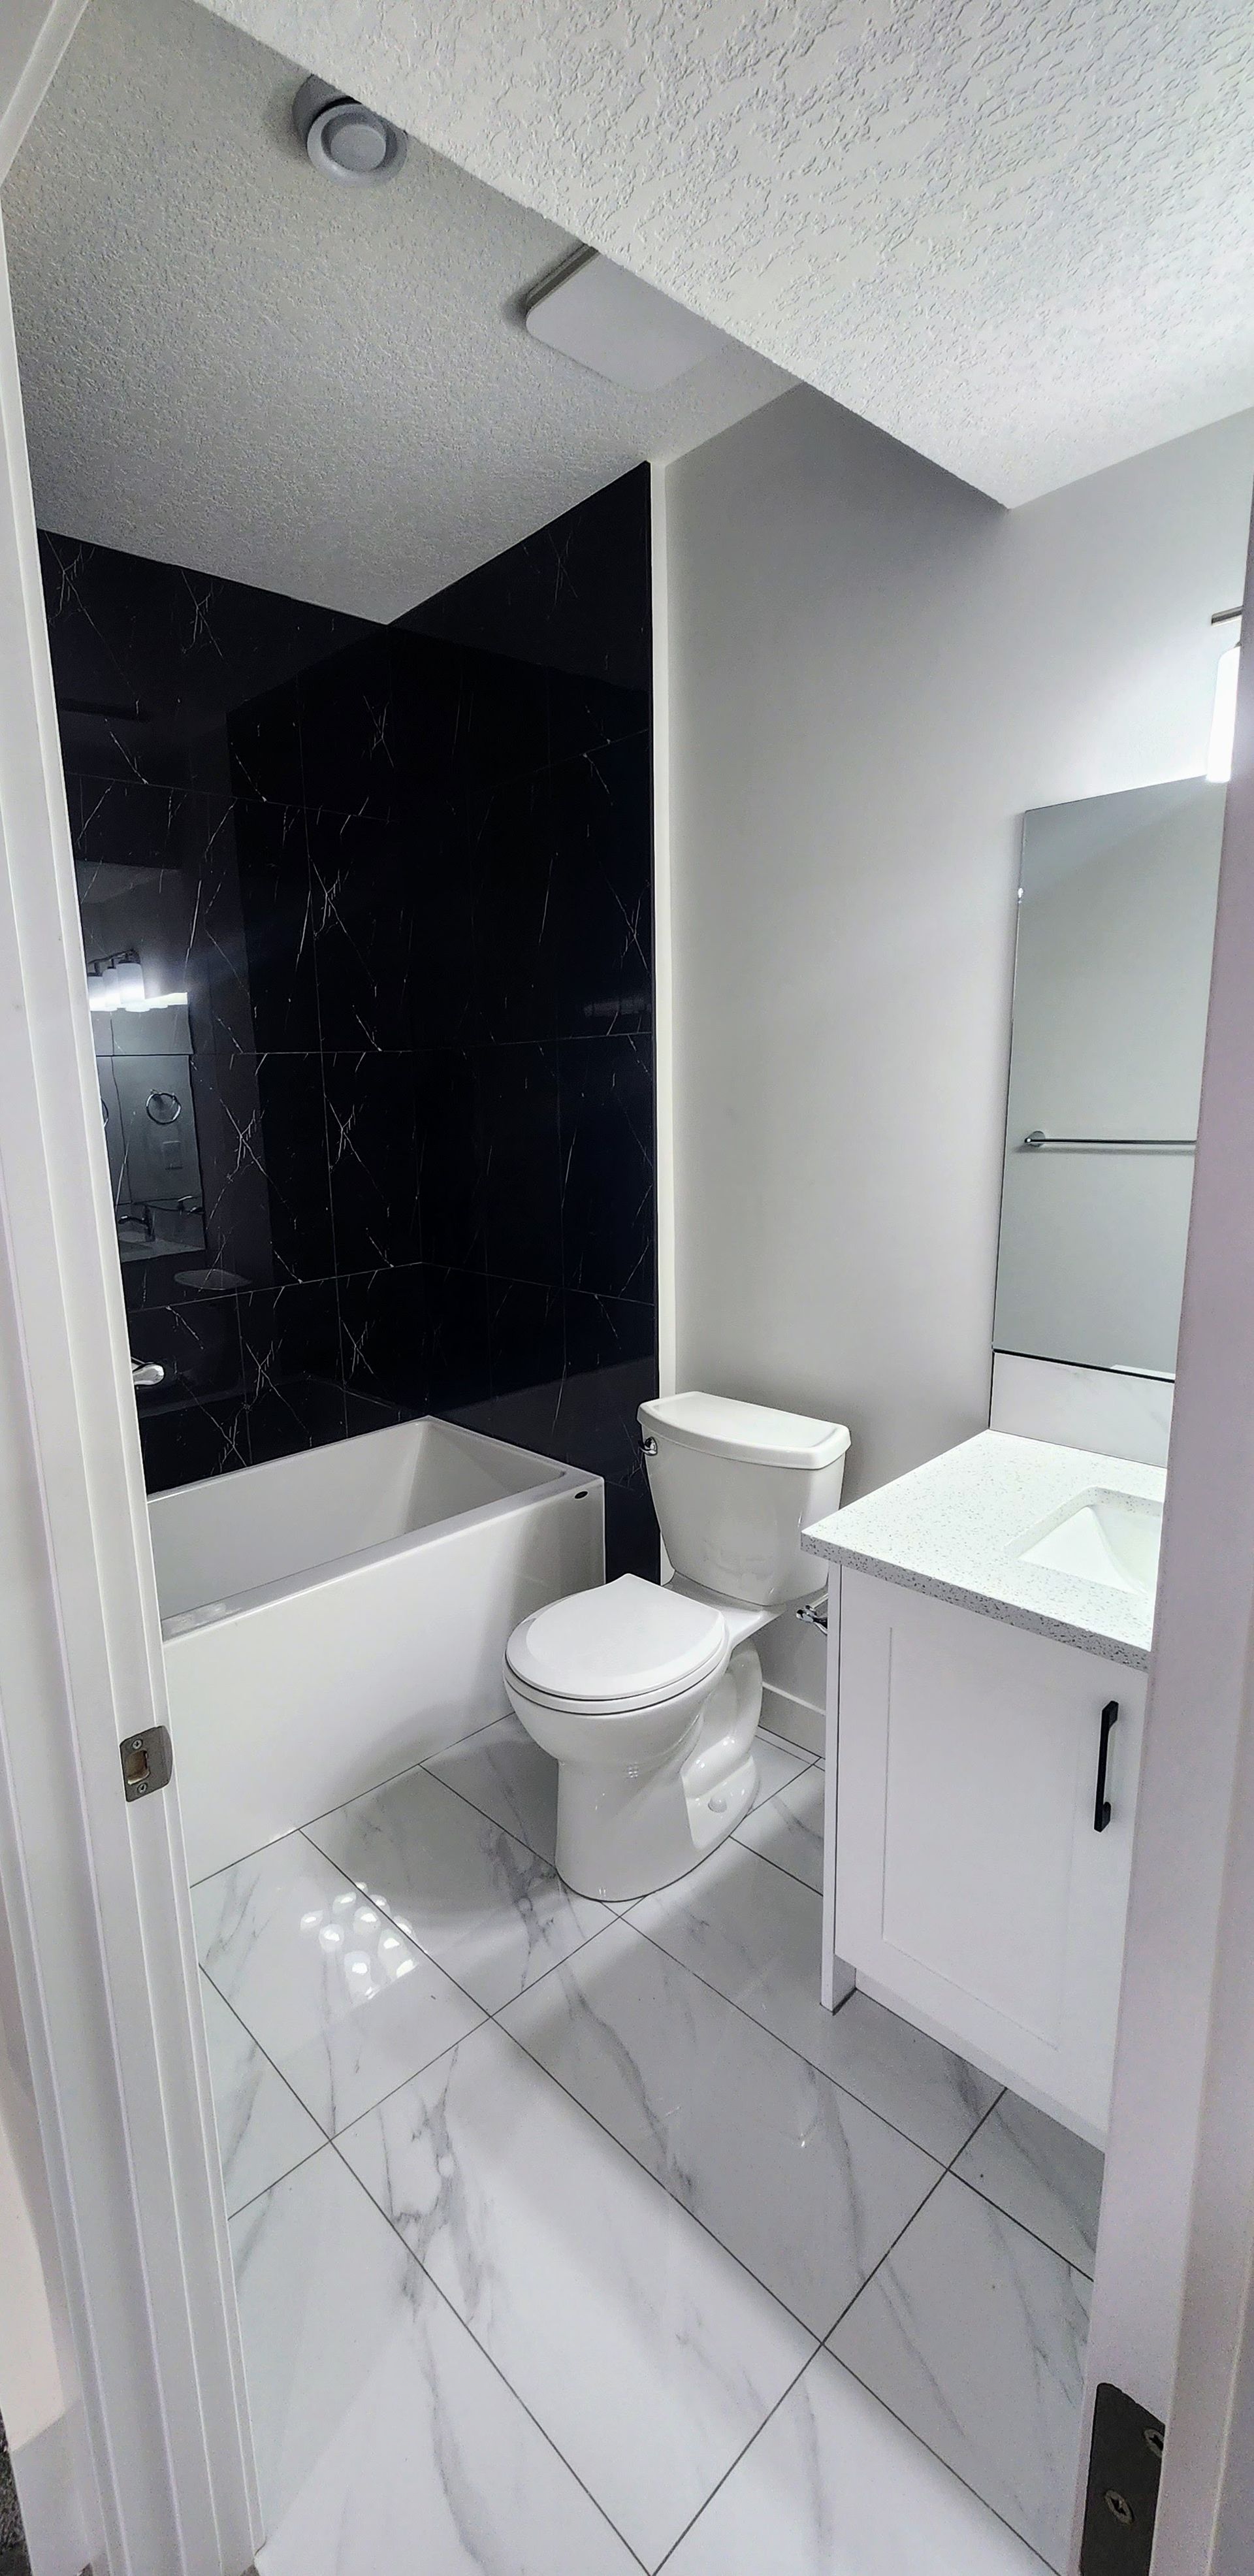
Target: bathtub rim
(558, 1480)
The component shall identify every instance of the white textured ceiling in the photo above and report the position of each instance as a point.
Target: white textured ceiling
(232, 363)
(1019, 234)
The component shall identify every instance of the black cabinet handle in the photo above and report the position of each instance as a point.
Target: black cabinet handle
(1101, 1803)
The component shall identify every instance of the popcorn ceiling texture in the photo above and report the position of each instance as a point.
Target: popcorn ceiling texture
(1015, 233)
(230, 363)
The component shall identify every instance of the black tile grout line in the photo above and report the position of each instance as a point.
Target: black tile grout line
(482, 2349)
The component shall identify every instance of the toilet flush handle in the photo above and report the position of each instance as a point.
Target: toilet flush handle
(650, 1445)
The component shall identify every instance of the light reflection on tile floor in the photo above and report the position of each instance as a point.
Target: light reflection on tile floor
(571, 2241)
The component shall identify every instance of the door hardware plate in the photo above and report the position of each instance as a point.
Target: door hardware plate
(1125, 2464)
(147, 1762)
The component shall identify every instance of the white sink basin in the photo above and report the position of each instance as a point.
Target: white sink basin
(1107, 1538)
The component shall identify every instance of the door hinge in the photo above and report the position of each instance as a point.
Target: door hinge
(1125, 2463)
(147, 1761)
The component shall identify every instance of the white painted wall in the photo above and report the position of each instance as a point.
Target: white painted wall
(874, 672)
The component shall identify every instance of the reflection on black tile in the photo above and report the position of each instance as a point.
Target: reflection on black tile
(601, 810)
(383, 1327)
(188, 1442)
(632, 1544)
(597, 1424)
(522, 1162)
(365, 892)
(512, 859)
(276, 904)
(198, 1346)
(608, 1226)
(293, 1148)
(456, 1335)
(290, 1341)
(372, 1142)
(450, 1156)
(526, 1337)
(350, 755)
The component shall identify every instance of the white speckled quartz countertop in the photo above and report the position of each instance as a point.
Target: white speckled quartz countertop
(956, 1527)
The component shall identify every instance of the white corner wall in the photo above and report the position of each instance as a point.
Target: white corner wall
(873, 672)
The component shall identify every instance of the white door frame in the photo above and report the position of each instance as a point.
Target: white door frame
(94, 1889)
(1172, 2321)
(95, 1893)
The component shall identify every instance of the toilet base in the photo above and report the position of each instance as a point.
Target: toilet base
(625, 1834)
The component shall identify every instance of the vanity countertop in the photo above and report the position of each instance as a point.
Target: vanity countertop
(956, 1528)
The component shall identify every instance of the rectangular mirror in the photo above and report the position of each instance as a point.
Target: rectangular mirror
(1112, 973)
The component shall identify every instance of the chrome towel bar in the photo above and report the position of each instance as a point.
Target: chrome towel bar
(1036, 1138)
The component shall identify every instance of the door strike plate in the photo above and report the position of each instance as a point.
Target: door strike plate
(147, 1761)
(1125, 2463)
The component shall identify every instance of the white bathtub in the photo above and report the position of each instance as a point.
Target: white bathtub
(331, 1618)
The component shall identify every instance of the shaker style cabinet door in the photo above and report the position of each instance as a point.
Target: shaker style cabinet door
(972, 1888)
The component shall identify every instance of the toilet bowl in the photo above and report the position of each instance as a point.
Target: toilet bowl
(648, 1695)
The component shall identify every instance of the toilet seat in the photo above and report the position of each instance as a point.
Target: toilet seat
(623, 1646)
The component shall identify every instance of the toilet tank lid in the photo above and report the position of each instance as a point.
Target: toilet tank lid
(730, 1429)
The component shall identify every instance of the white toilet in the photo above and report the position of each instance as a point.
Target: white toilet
(649, 1694)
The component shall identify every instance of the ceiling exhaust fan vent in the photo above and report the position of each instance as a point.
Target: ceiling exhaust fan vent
(344, 139)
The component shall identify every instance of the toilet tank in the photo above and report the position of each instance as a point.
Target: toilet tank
(733, 1487)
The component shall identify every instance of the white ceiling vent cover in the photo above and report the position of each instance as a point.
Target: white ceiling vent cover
(610, 321)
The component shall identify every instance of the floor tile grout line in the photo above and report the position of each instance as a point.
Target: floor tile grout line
(768, 1857)
(285, 2176)
(743, 2009)
(671, 2196)
(422, 1763)
(271, 2062)
(890, 2250)
(492, 2362)
(1012, 2220)
(945, 2464)
(394, 1919)
(946, 2175)
(806, 1763)
(733, 2465)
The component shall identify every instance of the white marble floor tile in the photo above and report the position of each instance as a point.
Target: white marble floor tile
(509, 1779)
(1039, 2173)
(974, 2333)
(927, 2090)
(787, 1828)
(835, 2486)
(647, 2354)
(387, 2445)
(797, 2179)
(341, 2002)
(778, 1763)
(262, 2129)
(490, 1911)
(753, 1932)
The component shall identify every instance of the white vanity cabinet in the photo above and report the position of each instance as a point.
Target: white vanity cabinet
(972, 1889)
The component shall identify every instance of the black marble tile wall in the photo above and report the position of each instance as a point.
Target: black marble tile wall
(403, 877)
